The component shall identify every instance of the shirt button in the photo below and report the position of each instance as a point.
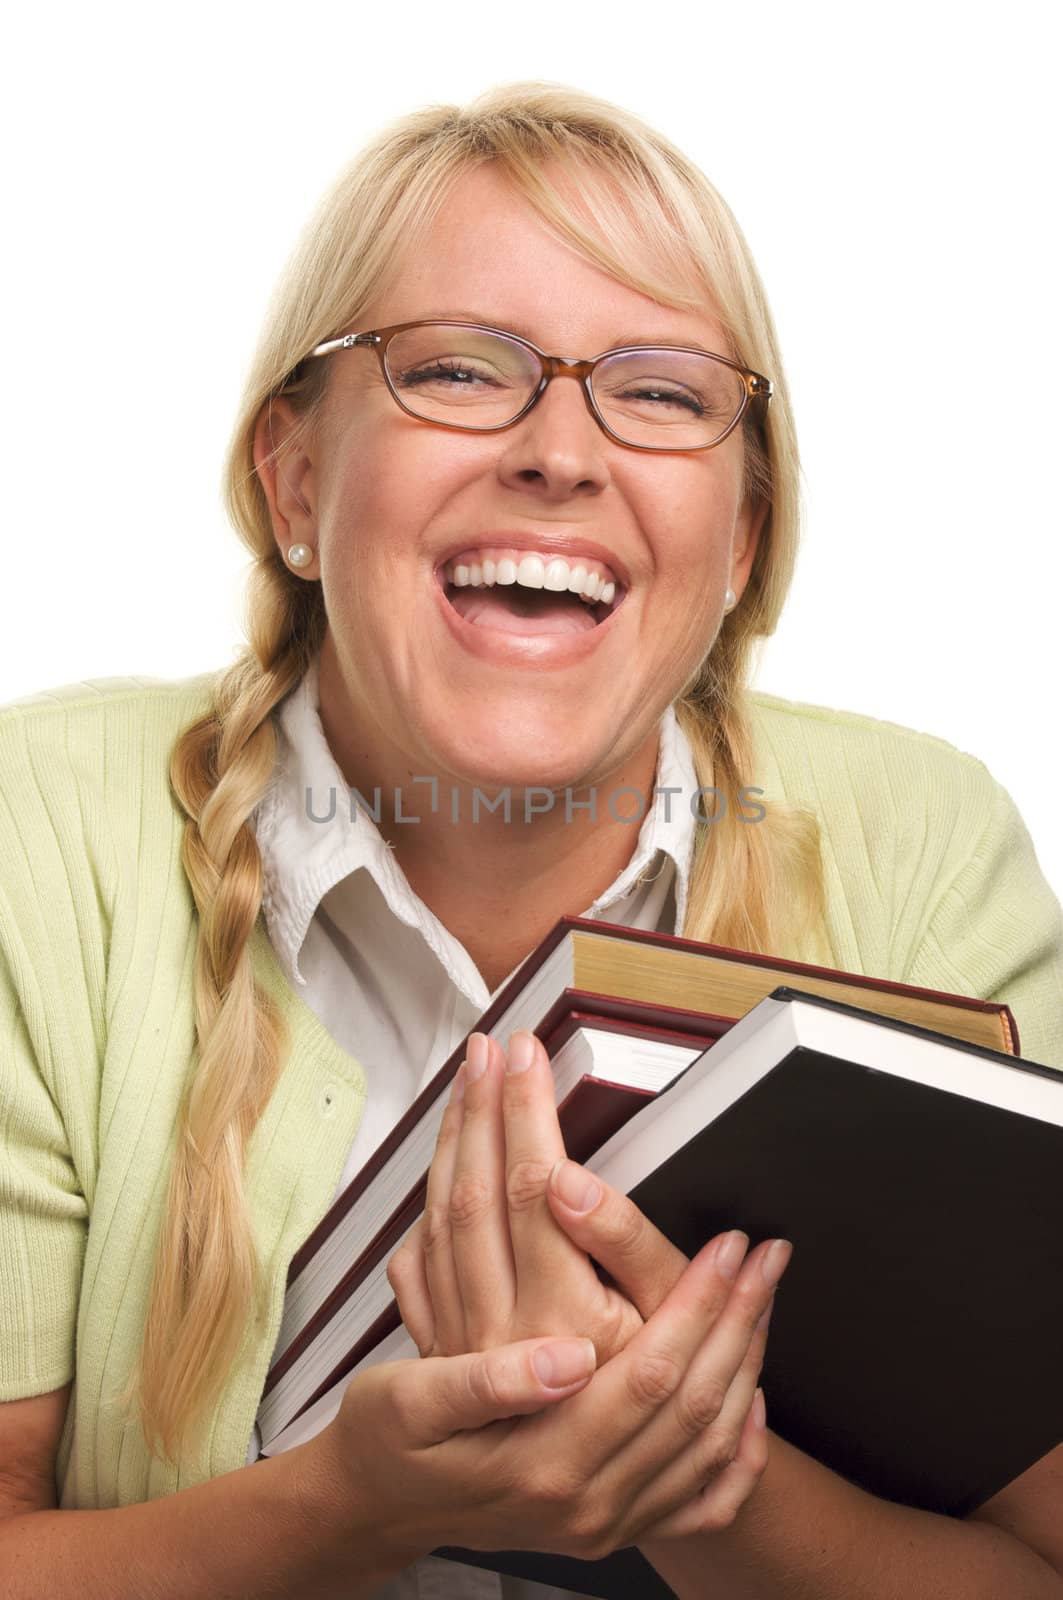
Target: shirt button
(328, 1101)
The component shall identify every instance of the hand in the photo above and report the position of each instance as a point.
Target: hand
(487, 1264)
(477, 1450)
(478, 1273)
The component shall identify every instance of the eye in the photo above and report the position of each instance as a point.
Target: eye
(447, 374)
(659, 395)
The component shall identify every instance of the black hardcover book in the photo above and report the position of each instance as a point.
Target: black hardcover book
(914, 1340)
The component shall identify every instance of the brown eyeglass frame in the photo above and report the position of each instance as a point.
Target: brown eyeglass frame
(756, 385)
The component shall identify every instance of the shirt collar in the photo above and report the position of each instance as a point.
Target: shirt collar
(311, 837)
(668, 825)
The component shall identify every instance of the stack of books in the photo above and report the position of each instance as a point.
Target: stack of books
(893, 1133)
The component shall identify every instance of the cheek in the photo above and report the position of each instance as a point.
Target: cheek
(389, 487)
(693, 530)
(369, 512)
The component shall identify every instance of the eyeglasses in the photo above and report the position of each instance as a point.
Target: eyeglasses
(651, 397)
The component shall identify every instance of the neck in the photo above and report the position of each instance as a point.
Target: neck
(498, 886)
(500, 900)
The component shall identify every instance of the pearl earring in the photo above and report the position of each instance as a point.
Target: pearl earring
(729, 600)
(300, 555)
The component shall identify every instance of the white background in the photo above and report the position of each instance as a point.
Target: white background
(896, 173)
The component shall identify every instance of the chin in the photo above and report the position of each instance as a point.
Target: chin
(531, 756)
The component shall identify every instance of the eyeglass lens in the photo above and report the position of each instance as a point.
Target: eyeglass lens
(477, 379)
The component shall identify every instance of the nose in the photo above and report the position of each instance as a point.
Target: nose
(557, 446)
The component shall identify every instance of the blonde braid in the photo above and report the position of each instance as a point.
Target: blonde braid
(755, 885)
(206, 1275)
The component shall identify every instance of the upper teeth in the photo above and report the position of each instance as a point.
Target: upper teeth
(588, 579)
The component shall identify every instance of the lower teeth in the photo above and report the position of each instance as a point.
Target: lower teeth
(521, 594)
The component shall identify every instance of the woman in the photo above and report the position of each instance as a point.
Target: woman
(177, 1116)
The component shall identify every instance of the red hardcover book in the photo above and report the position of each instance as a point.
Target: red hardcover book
(979, 1021)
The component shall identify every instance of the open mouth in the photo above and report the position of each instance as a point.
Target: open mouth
(517, 608)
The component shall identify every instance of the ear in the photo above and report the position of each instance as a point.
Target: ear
(748, 528)
(282, 449)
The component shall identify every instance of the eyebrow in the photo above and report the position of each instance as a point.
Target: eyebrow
(511, 325)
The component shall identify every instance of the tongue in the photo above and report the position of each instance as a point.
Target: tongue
(525, 611)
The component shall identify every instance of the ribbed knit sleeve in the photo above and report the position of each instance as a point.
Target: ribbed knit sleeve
(49, 1031)
(98, 937)
(43, 1214)
(996, 929)
(931, 874)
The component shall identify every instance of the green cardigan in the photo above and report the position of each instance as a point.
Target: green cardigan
(931, 879)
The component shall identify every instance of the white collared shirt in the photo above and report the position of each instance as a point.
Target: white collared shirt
(394, 988)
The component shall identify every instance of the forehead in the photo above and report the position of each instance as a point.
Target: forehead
(489, 256)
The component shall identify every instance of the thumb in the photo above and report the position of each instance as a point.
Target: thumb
(642, 1261)
(468, 1391)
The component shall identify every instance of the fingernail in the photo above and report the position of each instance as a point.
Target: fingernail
(476, 1050)
(730, 1253)
(760, 1410)
(521, 1052)
(774, 1261)
(457, 1088)
(575, 1187)
(558, 1365)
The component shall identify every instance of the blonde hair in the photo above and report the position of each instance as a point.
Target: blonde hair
(660, 228)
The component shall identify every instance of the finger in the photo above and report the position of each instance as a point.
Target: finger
(607, 1420)
(440, 1273)
(652, 1407)
(633, 1387)
(724, 1497)
(409, 1283)
(450, 1394)
(642, 1262)
(479, 1221)
(720, 1501)
(714, 1438)
(545, 1258)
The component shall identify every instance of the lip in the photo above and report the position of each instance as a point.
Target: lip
(515, 649)
(544, 544)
